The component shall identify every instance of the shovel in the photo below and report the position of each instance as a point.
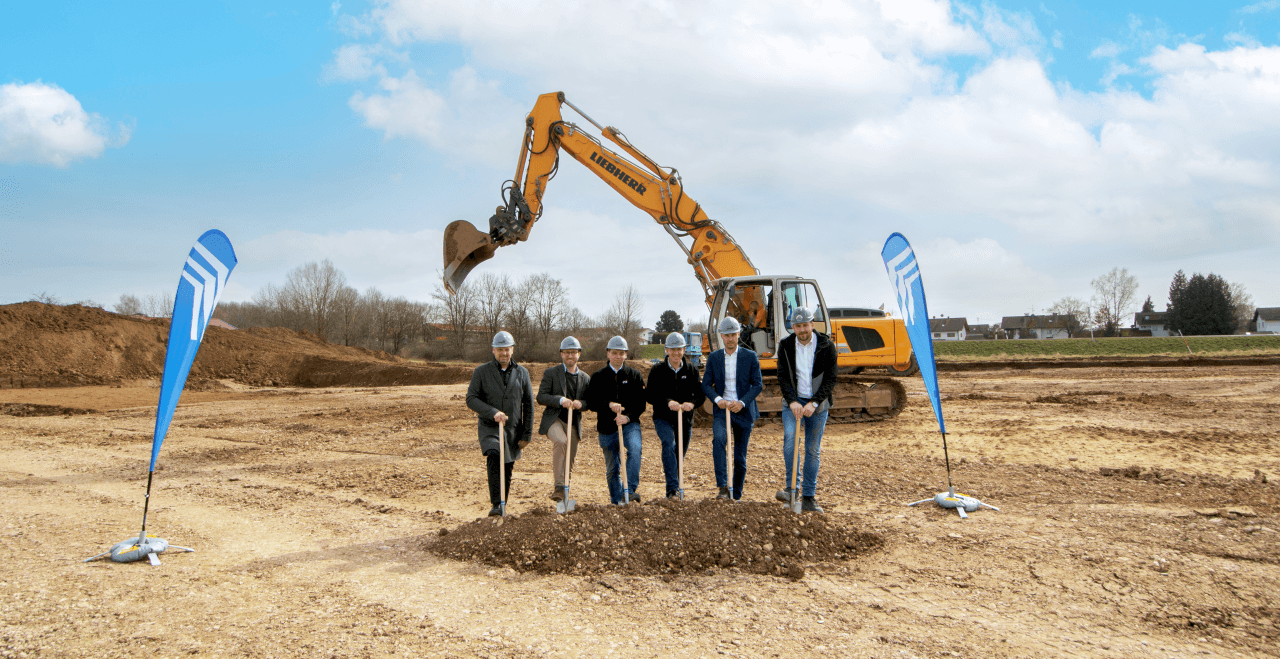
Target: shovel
(680, 453)
(567, 505)
(795, 503)
(502, 467)
(622, 456)
(728, 448)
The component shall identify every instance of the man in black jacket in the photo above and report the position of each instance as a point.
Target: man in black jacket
(675, 387)
(807, 377)
(616, 395)
(564, 387)
(500, 391)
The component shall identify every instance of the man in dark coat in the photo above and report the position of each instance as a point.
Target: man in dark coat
(616, 395)
(807, 375)
(500, 391)
(732, 382)
(675, 387)
(564, 387)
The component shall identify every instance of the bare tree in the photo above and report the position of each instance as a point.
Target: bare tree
(402, 320)
(623, 316)
(45, 297)
(158, 306)
(492, 296)
(519, 318)
(313, 287)
(1241, 305)
(573, 321)
(1078, 313)
(128, 305)
(547, 297)
(457, 313)
(1114, 297)
(346, 315)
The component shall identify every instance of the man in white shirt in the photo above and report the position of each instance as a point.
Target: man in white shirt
(807, 373)
(732, 382)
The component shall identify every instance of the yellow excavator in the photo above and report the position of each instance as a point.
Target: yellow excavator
(730, 283)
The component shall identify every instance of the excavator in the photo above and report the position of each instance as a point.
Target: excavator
(731, 284)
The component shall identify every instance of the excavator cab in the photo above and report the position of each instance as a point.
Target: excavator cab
(763, 306)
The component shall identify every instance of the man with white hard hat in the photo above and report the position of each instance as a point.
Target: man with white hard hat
(807, 376)
(616, 395)
(500, 392)
(563, 388)
(732, 382)
(674, 388)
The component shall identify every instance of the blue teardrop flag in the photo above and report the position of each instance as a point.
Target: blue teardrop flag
(904, 273)
(204, 275)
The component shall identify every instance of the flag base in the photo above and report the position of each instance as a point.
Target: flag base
(962, 503)
(128, 551)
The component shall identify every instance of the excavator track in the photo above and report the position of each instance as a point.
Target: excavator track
(858, 399)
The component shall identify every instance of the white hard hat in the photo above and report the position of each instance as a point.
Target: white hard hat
(676, 340)
(503, 340)
(730, 325)
(570, 343)
(617, 343)
(801, 315)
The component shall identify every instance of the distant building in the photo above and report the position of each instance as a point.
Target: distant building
(1267, 320)
(948, 329)
(1156, 322)
(983, 331)
(646, 337)
(1028, 326)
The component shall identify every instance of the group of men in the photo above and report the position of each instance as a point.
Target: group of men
(501, 395)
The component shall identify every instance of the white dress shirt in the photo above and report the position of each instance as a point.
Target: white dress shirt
(804, 366)
(730, 376)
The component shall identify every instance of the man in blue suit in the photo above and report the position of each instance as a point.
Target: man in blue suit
(732, 382)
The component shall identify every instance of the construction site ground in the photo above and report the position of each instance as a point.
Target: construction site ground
(1135, 520)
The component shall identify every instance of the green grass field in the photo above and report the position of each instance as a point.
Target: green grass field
(1115, 347)
(651, 351)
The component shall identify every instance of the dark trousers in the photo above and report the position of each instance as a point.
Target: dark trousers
(495, 487)
(719, 440)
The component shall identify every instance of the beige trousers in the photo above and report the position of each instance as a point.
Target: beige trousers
(558, 434)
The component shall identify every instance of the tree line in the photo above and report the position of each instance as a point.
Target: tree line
(536, 309)
(1201, 305)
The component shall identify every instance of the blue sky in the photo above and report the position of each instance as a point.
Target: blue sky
(1024, 147)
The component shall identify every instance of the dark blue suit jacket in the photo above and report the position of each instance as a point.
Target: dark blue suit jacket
(750, 383)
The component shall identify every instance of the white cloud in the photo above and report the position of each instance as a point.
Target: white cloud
(352, 62)
(852, 103)
(1265, 5)
(44, 124)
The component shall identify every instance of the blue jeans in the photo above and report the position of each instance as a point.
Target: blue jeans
(612, 461)
(719, 439)
(813, 427)
(670, 464)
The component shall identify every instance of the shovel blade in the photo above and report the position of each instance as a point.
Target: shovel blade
(566, 506)
(796, 504)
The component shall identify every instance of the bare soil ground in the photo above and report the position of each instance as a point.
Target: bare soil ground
(1132, 523)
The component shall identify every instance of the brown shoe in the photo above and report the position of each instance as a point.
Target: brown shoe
(724, 494)
(557, 494)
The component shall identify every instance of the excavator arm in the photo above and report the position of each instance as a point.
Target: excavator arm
(654, 189)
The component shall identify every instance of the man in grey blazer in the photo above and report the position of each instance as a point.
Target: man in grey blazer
(500, 391)
(564, 387)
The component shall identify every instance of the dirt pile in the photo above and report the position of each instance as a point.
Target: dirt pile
(51, 346)
(665, 537)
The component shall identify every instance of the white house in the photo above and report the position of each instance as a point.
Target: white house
(1267, 319)
(646, 337)
(1156, 322)
(948, 329)
(1055, 326)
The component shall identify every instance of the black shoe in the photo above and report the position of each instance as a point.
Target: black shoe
(557, 494)
(496, 511)
(724, 494)
(673, 494)
(783, 495)
(810, 506)
(634, 497)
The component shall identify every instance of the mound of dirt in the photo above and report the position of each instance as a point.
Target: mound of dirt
(665, 537)
(52, 346)
(32, 409)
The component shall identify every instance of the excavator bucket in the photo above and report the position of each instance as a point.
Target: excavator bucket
(464, 248)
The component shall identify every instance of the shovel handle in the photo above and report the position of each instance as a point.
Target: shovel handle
(502, 461)
(728, 447)
(680, 447)
(568, 455)
(795, 452)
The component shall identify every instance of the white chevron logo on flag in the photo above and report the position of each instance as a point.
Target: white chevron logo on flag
(203, 301)
(905, 273)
